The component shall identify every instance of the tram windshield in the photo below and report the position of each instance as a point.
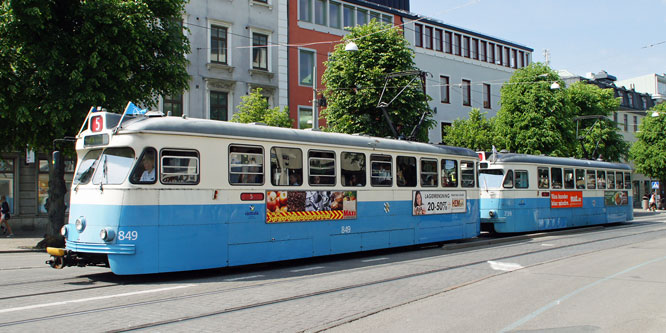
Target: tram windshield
(87, 167)
(114, 164)
(491, 179)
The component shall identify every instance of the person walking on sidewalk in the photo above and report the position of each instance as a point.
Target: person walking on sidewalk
(4, 220)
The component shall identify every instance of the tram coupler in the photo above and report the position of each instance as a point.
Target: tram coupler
(61, 258)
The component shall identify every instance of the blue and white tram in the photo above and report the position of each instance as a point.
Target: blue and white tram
(520, 193)
(225, 194)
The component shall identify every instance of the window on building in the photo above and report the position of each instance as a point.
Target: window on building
(522, 59)
(219, 105)
(467, 92)
(486, 96)
(448, 42)
(286, 167)
(348, 16)
(483, 50)
(491, 53)
(444, 89)
(306, 59)
(457, 44)
(173, 104)
(304, 117)
(507, 57)
(626, 122)
(361, 16)
(428, 38)
(259, 51)
(305, 10)
(438, 40)
(418, 35)
(246, 165)
(615, 119)
(388, 19)
(218, 44)
(514, 58)
(374, 16)
(635, 123)
(630, 99)
(466, 47)
(499, 56)
(352, 169)
(621, 96)
(334, 15)
(320, 12)
(42, 183)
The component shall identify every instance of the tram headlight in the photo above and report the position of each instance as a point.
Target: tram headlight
(107, 234)
(63, 231)
(492, 214)
(80, 224)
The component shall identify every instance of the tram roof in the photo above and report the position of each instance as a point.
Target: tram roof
(566, 161)
(196, 126)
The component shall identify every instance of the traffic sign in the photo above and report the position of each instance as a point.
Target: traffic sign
(655, 185)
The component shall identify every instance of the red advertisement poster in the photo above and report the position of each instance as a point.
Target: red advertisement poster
(566, 199)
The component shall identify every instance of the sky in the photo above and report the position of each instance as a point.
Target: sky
(625, 38)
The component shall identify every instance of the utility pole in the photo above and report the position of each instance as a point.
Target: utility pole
(546, 55)
(315, 112)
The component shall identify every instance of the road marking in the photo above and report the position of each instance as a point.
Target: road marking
(375, 259)
(244, 278)
(574, 293)
(546, 244)
(30, 307)
(504, 266)
(306, 269)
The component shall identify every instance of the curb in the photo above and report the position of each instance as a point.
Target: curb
(20, 250)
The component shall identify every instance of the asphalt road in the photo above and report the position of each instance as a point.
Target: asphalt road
(610, 279)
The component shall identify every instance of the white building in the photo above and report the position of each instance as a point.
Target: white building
(653, 84)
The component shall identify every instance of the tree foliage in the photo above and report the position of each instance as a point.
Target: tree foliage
(599, 136)
(649, 151)
(254, 108)
(475, 132)
(354, 82)
(533, 118)
(58, 58)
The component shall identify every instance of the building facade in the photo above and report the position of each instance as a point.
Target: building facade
(653, 84)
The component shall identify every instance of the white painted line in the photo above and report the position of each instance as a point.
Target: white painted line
(504, 266)
(546, 244)
(375, 259)
(306, 269)
(30, 307)
(244, 278)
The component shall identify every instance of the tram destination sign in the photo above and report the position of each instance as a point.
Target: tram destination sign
(438, 202)
(566, 199)
(302, 206)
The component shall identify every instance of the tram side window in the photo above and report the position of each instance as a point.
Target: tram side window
(508, 180)
(556, 174)
(601, 179)
(591, 180)
(179, 167)
(428, 173)
(619, 181)
(286, 166)
(580, 178)
(449, 173)
(568, 178)
(627, 180)
(406, 171)
(352, 169)
(611, 180)
(246, 165)
(322, 168)
(380, 170)
(467, 174)
(144, 170)
(87, 167)
(521, 179)
(542, 173)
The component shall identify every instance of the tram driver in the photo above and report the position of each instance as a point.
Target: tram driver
(148, 174)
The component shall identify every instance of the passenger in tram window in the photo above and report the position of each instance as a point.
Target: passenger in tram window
(148, 174)
(316, 180)
(293, 179)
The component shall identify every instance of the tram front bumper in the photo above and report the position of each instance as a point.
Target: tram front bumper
(85, 254)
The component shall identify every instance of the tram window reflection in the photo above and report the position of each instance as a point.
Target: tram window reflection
(406, 171)
(611, 180)
(568, 178)
(591, 179)
(352, 169)
(467, 174)
(286, 166)
(542, 174)
(246, 165)
(428, 173)
(321, 168)
(522, 179)
(556, 174)
(449, 173)
(380, 170)
(601, 179)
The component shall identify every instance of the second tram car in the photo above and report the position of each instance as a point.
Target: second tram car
(162, 194)
(520, 193)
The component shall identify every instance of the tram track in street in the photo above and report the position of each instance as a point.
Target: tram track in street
(316, 293)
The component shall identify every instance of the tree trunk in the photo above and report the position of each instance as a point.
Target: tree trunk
(55, 203)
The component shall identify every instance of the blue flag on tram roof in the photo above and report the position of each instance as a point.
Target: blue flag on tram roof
(133, 109)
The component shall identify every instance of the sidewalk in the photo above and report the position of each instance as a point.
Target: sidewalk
(25, 241)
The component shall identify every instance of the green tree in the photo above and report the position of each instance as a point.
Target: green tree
(58, 58)
(599, 136)
(354, 82)
(254, 108)
(534, 119)
(649, 151)
(475, 132)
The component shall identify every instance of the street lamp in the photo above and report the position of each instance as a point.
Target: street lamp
(351, 47)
